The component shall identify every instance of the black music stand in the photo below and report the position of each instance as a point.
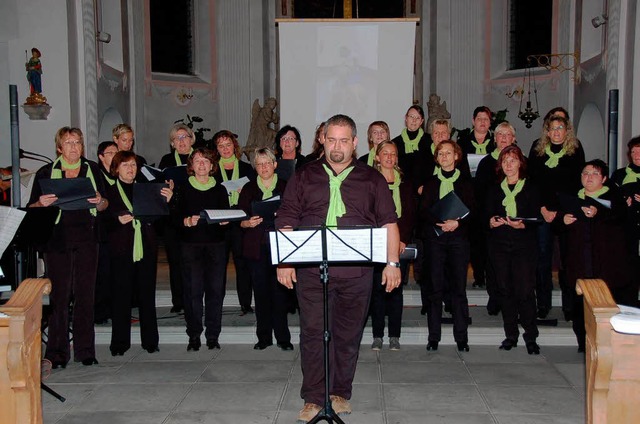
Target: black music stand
(284, 247)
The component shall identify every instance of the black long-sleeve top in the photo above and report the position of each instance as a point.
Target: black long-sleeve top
(564, 178)
(75, 226)
(632, 224)
(190, 201)
(466, 136)
(170, 160)
(431, 195)
(528, 206)
(254, 238)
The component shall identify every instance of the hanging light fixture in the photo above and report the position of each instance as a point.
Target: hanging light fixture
(528, 81)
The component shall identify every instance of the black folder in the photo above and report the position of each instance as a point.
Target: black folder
(148, 201)
(266, 209)
(176, 173)
(570, 204)
(72, 192)
(449, 207)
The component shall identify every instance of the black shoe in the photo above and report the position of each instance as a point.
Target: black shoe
(262, 345)
(423, 310)
(101, 321)
(118, 352)
(568, 315)
(176, 309)
(194, 344)
(432, 346)
(89, 361)
(58, 364)
(533, 348)
(478, 284)
(508, 344)
(213, 344)
(493, 310)
(152, 349)
(543, 312)
(285, 346)
(580, 348)
(463, 346)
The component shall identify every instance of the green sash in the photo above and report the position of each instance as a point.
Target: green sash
(56, 174)
(446, 184)
(336, 205)
(554, 158)
(509, 201)
(395, 192)
(630, 176)
(211, 182)
(411, 146)
(603, 190)
(267, 192)
(234, 196)
(138, 251)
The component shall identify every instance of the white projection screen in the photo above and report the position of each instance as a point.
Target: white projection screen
(360, 69)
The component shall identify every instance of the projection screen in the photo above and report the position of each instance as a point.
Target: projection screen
(361, 69)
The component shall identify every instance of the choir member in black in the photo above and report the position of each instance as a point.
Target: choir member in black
(478, 140)
(271, 297)
(102, 307)
(505, 135)
(203, 248)
(596, 240)
(413, 144)
(447, 254)
(377, 132)
(317, 150)
(181, 139)
(124, 138)
(512, 247)
(288, 146)
(555, 162)
(134, 256)
(383, 302)
(71, 254)
(627, 179)
(230, 167)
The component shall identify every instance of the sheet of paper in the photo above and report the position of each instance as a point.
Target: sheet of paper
(10, 219)
(296, 246)
(232, 185)
(474, 160)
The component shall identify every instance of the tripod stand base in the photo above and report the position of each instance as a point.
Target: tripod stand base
(328, 415)
(52, 392)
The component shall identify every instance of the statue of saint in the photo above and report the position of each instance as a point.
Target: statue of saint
(436, 109)
(260, 133)
(34, 76)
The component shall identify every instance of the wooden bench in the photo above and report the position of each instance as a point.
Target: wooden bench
(20, 353)
(613, 360)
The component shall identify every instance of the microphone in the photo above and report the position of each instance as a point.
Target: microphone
(25, 154)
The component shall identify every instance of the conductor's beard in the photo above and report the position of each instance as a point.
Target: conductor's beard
(336, 156)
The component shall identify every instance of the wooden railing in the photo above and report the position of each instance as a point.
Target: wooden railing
(20, 353)
(613, 369)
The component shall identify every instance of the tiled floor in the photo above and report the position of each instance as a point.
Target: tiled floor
(239, 385)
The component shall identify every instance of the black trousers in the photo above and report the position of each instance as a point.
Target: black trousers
(203, 266)
(73, 276)
(174, 257)
(514, 265)
(383, 303)
(271, 300)
(478, 253)
(128, 278)
(233, 240)
(102, 306)
(348, 305)
(448, 261)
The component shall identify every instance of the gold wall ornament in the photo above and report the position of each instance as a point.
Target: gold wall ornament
(560, 62)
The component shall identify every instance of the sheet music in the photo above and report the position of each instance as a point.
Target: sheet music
(235, 185)
(10, 219)
(474, 161)
(26, 185)
(357, 245)
(308, 244)
(224, 214)
(147, 174)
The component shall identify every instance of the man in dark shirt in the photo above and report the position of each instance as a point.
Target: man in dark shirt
(307, 201)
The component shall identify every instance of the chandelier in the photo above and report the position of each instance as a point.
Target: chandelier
(529, 114)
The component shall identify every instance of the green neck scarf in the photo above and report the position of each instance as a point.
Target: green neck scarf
(267, 192)
(630, 176)
(554, 158)
(446, 184)
(211, 182)
(138, 251)
(372, 156)
(108, 178)
(177, 156)
(411, 146)
(395, 192)
(495, 154)
(234, 196)
(336, 205)
(481, 149)
(433, 149)
(56, 174)
(603, 190)
(509, 201)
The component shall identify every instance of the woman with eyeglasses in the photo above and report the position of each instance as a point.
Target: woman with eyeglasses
(288, 146)
(447, 253)
(71, 253)
(555, 162)
(181, 139)
(271, 297)
(596, 240)
(512, 246)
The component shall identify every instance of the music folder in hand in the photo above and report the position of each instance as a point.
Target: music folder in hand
(214, 216)
(148, 200)
(266, 209)
(570, 204)
(72, 193)
(449, 207)
(176, 173)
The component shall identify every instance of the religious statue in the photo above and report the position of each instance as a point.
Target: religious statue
(436, 109)
(34, 76)
(260, 133)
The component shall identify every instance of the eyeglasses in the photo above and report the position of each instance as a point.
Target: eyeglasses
(558, 128)
(414, 117)
(69, 143)
(263, 164)
(288, 138)
(594, 173)
(105, 153)
(182, 137)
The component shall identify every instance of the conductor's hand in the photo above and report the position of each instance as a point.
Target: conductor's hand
(391, 277)
(287, 276)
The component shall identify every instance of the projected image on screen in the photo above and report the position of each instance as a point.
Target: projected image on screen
(347, 72)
